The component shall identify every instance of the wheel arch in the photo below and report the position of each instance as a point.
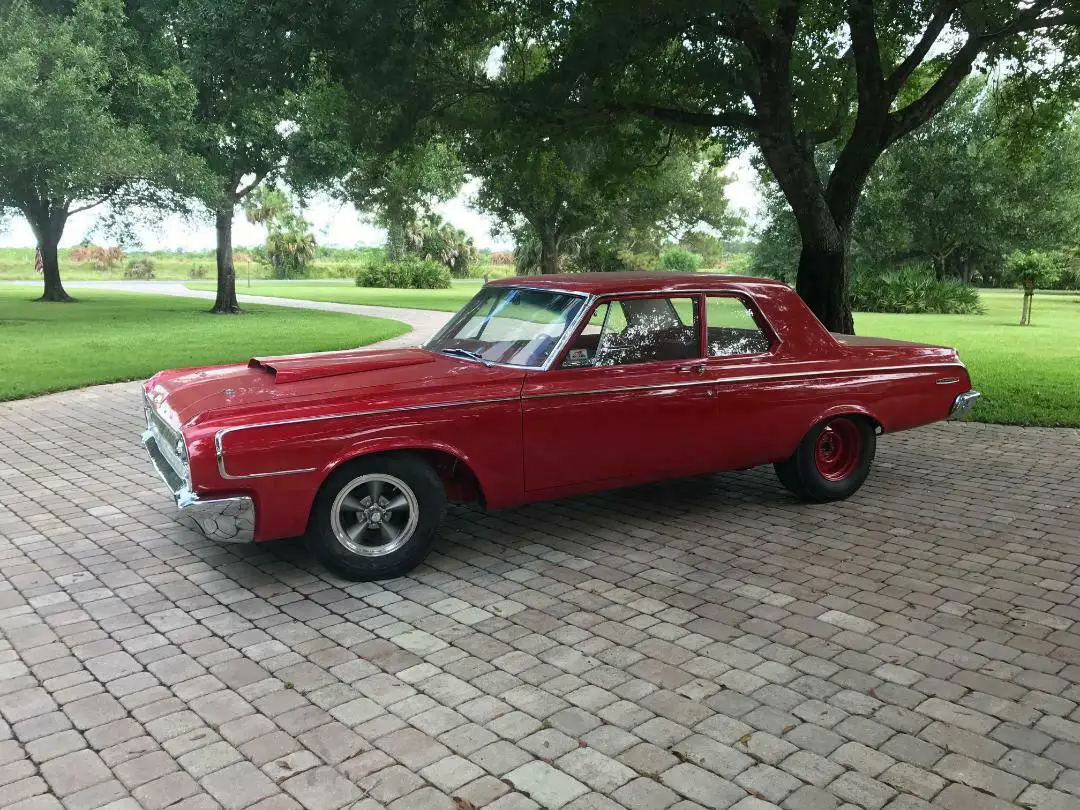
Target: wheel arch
(457, 474)
(847, 410)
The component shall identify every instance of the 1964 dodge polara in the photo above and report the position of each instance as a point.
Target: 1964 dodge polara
(540, 387)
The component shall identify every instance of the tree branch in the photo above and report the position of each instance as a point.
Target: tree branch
(870, 79)
(918, 112)
(1029, 20)
(1065, 18)
(243, 191)
(664, 153)
(922, 47)
(732, 119)
(108, 196)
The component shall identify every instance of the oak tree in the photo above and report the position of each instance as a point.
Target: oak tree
(788, 76)
(89, 114)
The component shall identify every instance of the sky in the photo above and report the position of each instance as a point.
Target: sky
(333, 224)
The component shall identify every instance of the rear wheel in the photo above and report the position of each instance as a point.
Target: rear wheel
(376, 518)
(832, 461)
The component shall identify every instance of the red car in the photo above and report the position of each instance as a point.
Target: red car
(539, 388)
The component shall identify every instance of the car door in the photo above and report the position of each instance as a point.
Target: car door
(740, 363)
(625, 400)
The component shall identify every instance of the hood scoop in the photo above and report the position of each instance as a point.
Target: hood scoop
(298, 367)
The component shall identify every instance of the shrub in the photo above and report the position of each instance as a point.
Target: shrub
(912, 290)
(502, 257)
(103, 258)
(140, 269)
(680, 260)
(198, 271)
(410, 274)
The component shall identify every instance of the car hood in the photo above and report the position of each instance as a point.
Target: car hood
(265, 384)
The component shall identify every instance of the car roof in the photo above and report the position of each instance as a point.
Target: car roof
(634, 281)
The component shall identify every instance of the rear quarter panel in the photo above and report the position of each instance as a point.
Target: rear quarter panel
(813, 375)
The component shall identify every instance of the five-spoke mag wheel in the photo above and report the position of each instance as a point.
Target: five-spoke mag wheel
(376, 517)
(374, 514)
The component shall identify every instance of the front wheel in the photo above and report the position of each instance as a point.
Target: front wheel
(832, 461)
(376, 518)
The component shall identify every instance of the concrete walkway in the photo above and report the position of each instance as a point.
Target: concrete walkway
(423, 322)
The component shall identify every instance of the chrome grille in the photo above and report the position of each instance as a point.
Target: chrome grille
(169, 440)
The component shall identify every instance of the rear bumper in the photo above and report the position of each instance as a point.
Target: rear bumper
(227, 520)
(963, 404)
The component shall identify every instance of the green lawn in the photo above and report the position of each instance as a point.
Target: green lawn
(443, 300)
(1029, 375)
(108, 337)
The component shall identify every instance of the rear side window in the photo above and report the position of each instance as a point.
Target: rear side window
(731, 327)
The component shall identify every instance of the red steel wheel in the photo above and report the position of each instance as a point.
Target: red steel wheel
(838, 449)
(832, 460)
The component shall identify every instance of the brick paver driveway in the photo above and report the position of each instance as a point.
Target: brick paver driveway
(706, 643)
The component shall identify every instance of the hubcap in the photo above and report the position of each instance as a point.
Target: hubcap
(374, 515)
(837, 450)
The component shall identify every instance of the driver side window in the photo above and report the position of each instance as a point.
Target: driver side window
(637, 330)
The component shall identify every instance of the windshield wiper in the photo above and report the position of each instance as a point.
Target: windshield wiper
(466, 353)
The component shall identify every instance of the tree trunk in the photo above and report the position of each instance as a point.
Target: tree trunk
(226, 303)
(549, 253)
(823, 284)
(395, 238)
(48, 226)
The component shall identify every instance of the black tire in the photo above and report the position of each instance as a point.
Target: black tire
(815, 475)
(372, 556)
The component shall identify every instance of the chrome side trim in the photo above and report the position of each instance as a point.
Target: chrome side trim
(963, 404)
(745, 378)
(220, 435)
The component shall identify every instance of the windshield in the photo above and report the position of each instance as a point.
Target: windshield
(509, 325)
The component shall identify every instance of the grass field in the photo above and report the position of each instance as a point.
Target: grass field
(108, 337)
(1029, 375)
(442, 300)
(17, 264)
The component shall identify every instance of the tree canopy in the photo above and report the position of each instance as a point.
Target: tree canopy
(90, 114)
(959, 195)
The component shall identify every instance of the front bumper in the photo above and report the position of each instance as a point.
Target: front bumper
(227, 520)
(963, 404)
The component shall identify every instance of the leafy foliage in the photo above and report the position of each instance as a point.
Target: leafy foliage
(1031, 269)
(912, 290)
(958, 195)
(680, 260)
(409, 273)
(289, 245)
(141, 268)
(103, 258)
(91, 114)
(709, 247)
(431, 238)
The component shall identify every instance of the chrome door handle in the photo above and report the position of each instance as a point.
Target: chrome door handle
(695, 369)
